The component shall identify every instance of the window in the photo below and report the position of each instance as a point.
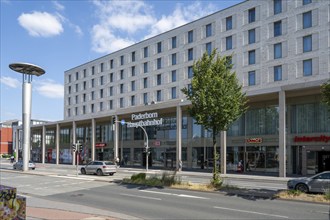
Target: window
(101, 93)
(77, 87)
(122, 60)
(277, 50)
(121, 88)
(101, 106)
(84, 85)
(132, 100)
(121, 74)
(85, 73)
(252, 36)
(93, 83)
(133, 70)
(145, 67)
(133, 85)
(229, 43)
(252, 78)
(101, 80)
(159, 47)
(208, 48)
(174, 59)
(159, 63)
(84, 109)
(173, 75)
(159, 95)
(121, 102)
(252, 57)
(190, 72)
(111, 64)
(69, 112)
(307, 43)
(93, 70)
(277, 73)
(277, 28)
(102, 67)
(92, 95)
(111, 91)
(252, 15)
(76, 110)
(92, 108)
(190, 36)
(277, 6)
(69, 78)
(76, 99)
(111, 77)
(111, 104)
(145, 82)
(208, 30)
(69, 89)
(159, 79)
(190, 54)
(145, 52)
(229, 23)
(173, 92)
(307, 19)
(77, 75)
(69, 101)
(307, 67)
(173, 42)
(133, 56)
(84, 97)
(145, 98)
(306, 2)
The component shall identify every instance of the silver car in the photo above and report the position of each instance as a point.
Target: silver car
(100, 168)
(319, 183)
(19, 165)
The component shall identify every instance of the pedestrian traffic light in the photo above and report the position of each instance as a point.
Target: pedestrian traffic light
(80, 148)
(74, 147)
(113, 120)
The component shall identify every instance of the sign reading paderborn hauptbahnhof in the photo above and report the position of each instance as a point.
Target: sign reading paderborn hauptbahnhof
(144, 119)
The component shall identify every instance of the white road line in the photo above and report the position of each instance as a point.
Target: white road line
(258, 213)
(173, 194)
(72, 177)
(143, 197)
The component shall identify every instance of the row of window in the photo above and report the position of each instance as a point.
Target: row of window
(145, 97)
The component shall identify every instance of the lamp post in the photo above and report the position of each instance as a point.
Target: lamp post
(28, 70)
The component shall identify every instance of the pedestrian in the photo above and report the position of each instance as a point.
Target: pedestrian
(240, 166)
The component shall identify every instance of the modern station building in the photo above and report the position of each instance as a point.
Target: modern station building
(281, 55)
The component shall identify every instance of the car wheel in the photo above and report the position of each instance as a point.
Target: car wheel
(111, 174)
(33, 168)
(99, 172)
(302, 187)
(83, 171)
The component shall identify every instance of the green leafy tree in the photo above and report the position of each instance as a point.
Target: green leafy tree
(216, 98)
(325, 89)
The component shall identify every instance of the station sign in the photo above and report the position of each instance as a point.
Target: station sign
(144, 119)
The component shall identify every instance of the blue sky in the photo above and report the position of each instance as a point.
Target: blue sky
(60, 35)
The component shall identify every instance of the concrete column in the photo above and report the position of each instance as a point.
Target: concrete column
(178, 138)
(190, 145)
(93, 139)
(43, 144)
(26, 117)
(73, 142)
(116, 138)
(223, 152)
(57, 143)
(16, 143)
(282, 135)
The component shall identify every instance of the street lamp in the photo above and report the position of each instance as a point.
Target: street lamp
(28, 70)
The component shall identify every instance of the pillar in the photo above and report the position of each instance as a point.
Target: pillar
(178, 138)
(73, 142)
(116, 138)
(93, 138)
(282, 135)
(43, 144)
(57, 143)
(223, 152)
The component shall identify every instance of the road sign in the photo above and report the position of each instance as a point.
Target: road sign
(122, 122)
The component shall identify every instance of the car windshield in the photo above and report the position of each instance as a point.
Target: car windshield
(108, 163)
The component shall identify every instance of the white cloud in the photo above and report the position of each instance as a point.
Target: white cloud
(49, 89)
(9, 81)
(41, 24)
(58, 6)
(120, 22)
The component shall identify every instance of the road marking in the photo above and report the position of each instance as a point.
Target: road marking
(173, 194)
(258, 213)
(143, 197)
(72, 177)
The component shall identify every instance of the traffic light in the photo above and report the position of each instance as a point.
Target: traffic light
(113, 120)
(74, 147)
(80, 148)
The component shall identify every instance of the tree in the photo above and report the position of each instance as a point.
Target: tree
(325, 90)
(216, 97)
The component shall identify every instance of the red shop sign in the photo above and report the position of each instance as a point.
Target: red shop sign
(254, 140)
(321, 138)
(100, 145)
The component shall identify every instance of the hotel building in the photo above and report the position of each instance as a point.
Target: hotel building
(281, 55)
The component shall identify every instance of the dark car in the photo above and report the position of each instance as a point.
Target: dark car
(100, 168)
(318, 183)
(19, 165)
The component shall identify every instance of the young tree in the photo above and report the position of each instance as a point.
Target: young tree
(325, 90)
(216, 97)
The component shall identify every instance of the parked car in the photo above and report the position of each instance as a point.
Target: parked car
(318, 183)
(19, 165)
(100, 168)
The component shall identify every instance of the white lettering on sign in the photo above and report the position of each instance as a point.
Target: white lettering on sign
(145, 123)
(145, 115)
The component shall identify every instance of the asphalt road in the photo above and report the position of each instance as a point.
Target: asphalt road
(158, 203)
